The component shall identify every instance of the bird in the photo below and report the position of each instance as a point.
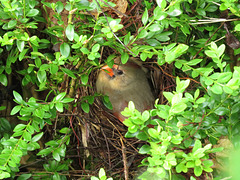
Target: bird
(124, 83)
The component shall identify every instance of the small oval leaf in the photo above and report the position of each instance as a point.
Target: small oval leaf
(65, 49)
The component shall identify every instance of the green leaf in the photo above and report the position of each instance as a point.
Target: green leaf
(24, 176)
(181, 168)
(194, 62)
(161, 3)
(153, 133)
(182, 85)
(2, 108)
(64, 130)
(42, 76)
(85, 107)
(210, 53)
(38, 54)
(37, 137)
(65, 49)
(180, 49)
(170, 57)
(18, 133)
(102, 173)
(52, 143)
(170, 157)
(70, 32)
(45, 152)
(22, 54)
(19, 127)
(18, 97)
(177, 108)
(20, 45)
(237, 27)
(195, 73)
(3, 79)
(143, 33)
(145, 17)
(155, 27)
(69, 73)
(207, 163)
(94, 178)
(84, 79)
(143, 56)
(131, 106)
(190, 164)
(227, 90)
(201, 100)
(12, 163)
(211, 8)
(169, 96)
(59, 106)
(15, 110)
(197, 145)
(56, 156)
(141, 136)
(95, 48)
(221, 111)
(197, 170)
(196, 94)
(201, 12)
(106, 30)
(174, 53)
(127, 38)
(27, 136)
(159, 14)
(44, 67)
(39, 113)
(12, 24)
(4, 174)
(67, 100)
(221, 49)
(124, 58)
(60, 96)
(217, 89)
(145, 115)
(163, 114)
(59, 7)
(32, 12)
(175, 12)
(224, 77)
(84, 50)
(144, 149)
(107, 102)
(176, 139)
(207, 81)
(53, 68)
(187, 143)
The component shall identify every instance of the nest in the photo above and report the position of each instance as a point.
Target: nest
(100, 135)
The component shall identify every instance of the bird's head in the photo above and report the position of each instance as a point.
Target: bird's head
(121, 76)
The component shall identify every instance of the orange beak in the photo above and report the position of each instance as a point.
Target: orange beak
(108, 70)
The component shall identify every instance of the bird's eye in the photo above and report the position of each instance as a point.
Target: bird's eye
(119, 72)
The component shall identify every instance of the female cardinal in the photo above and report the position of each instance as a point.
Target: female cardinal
(124, 83)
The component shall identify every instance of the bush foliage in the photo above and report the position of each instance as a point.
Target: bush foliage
(198, 39)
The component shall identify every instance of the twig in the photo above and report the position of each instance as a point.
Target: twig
(78, 140)
(180, 77)
(208, 40)
(199, 124)
(124, 160)
(109, 158)
(211, 20)
(113, 32)
(119, 12)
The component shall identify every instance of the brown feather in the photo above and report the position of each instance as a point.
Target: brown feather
(131, 85)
